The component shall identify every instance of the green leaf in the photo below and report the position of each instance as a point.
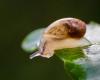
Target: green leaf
(70, 54)
(31, 41)
(75, 71)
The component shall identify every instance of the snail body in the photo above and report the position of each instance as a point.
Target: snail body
(63, 33)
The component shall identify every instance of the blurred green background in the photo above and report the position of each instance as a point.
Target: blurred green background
(19, 17)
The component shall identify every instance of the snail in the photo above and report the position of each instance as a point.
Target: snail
(63, 33)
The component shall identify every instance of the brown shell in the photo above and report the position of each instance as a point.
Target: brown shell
(67, 27)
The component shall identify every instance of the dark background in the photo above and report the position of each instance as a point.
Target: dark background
(19, 17)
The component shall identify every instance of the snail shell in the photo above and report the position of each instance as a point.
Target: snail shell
(63, 33)
(66, 27)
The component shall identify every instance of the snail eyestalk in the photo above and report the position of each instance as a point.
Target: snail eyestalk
(35, 55)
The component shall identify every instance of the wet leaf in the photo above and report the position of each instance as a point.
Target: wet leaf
(93, 32)
(70, 54)
(73, 70)
(31, 41)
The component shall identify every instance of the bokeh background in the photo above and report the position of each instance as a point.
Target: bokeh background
(19, 17)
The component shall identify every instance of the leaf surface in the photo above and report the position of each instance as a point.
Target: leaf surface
(31, 41)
